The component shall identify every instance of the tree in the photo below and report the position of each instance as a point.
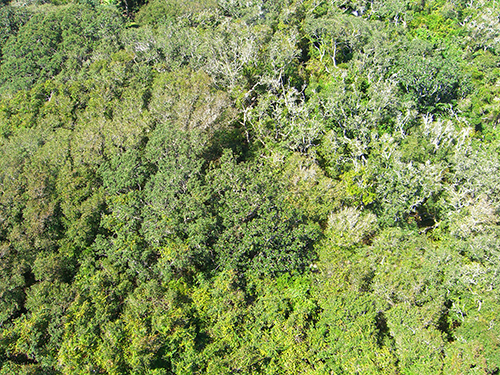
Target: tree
(258, 230)
(58, 40)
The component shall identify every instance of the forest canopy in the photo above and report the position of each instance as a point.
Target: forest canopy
(254, 187)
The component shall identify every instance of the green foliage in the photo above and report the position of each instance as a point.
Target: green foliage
(57, 41)
(161, 12)
(258, 228)
(12, 19)
(431, 74)
(261, 187)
